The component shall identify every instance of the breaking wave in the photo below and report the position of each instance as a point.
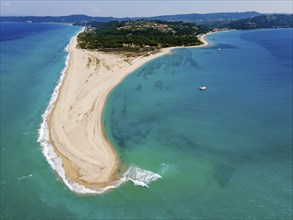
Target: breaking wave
(140, 177)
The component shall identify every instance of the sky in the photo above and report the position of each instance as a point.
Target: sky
(121, 8)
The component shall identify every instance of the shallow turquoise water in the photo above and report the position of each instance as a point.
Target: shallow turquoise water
(32, 57)
(223, 153)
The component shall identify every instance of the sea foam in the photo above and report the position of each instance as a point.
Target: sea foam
(138, 176)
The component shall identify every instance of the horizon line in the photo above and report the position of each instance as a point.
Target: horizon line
(264, 13)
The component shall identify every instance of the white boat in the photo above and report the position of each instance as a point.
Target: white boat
(202, 88)
(219, 49)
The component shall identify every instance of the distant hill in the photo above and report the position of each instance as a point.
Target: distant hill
(206, 18)
(83, 19)
(71, 19)
(264, 21)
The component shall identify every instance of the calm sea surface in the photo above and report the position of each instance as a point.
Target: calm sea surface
(224, 153)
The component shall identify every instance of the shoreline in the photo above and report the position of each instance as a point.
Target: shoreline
(84, 158)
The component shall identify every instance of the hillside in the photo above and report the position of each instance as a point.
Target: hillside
(264, 21)
(139, 35)
(207, 18)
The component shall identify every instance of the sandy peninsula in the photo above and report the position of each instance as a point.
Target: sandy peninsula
(75, 122)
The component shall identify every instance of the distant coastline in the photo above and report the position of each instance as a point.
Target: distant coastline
(232, 20)
(86, 160)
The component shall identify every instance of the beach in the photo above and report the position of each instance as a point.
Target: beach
(75, 122)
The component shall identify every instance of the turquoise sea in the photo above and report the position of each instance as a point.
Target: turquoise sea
(225, 153)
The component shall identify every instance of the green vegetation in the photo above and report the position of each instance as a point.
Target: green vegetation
(89, 62)
(139, 35)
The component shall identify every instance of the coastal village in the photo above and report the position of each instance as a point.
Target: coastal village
(140, 25)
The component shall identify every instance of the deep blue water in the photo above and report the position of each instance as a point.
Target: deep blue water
(223, 153)
(13, 31)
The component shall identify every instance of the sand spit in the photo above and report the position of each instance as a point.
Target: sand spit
(72, 135)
